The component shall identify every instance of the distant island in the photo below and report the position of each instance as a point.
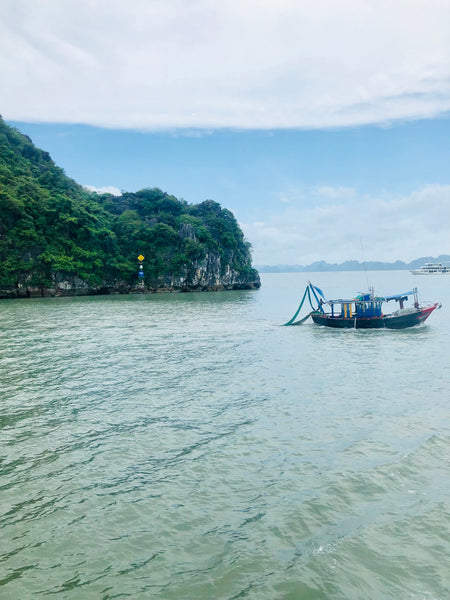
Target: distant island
(58, 239)
(352, 265)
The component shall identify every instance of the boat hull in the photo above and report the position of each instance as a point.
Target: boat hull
(419, 272)
(394, 321)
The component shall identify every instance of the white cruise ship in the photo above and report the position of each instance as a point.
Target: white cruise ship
(432, 269)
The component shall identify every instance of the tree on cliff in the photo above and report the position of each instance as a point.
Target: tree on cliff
(50, 224)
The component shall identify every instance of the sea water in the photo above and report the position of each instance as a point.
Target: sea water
(186, 446)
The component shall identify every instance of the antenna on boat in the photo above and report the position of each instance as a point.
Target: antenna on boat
(364, 262)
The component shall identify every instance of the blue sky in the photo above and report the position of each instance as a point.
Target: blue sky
(319, 125)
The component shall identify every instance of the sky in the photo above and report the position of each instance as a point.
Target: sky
(324, 126)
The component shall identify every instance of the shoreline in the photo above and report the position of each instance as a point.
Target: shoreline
(29, 293)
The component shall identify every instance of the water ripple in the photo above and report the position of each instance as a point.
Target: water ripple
(184, 446)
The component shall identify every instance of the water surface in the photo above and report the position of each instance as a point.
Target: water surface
(185, 446)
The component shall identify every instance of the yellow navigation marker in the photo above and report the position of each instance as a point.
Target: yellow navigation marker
(140, 257)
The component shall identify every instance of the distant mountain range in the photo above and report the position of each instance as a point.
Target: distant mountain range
(353, 265)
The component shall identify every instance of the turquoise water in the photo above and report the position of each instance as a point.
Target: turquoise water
(184, 446)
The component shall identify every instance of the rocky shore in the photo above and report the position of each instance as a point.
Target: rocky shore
(205, 275)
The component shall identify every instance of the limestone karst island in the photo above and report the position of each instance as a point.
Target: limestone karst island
(57, 238)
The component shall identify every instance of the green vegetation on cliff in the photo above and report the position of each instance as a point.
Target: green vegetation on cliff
(49, 224)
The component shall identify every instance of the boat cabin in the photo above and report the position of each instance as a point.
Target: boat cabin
(364, 306)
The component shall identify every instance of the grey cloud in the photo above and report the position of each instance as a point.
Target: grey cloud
(259, 64)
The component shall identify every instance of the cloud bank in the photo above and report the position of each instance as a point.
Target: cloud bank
(404, 228)
(155, 64)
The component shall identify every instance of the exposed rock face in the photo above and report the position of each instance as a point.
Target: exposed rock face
(203, 275)
(207, 275)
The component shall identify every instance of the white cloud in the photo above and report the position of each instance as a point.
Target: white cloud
(404, 228)
(248, 64)
(108, 189)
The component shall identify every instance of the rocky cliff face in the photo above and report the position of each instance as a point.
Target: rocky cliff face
(203, 275)
(208, 275)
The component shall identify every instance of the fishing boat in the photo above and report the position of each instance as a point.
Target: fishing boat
(365, 311)
(432, 269)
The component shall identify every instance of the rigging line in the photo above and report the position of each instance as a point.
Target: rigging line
(364, 262)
